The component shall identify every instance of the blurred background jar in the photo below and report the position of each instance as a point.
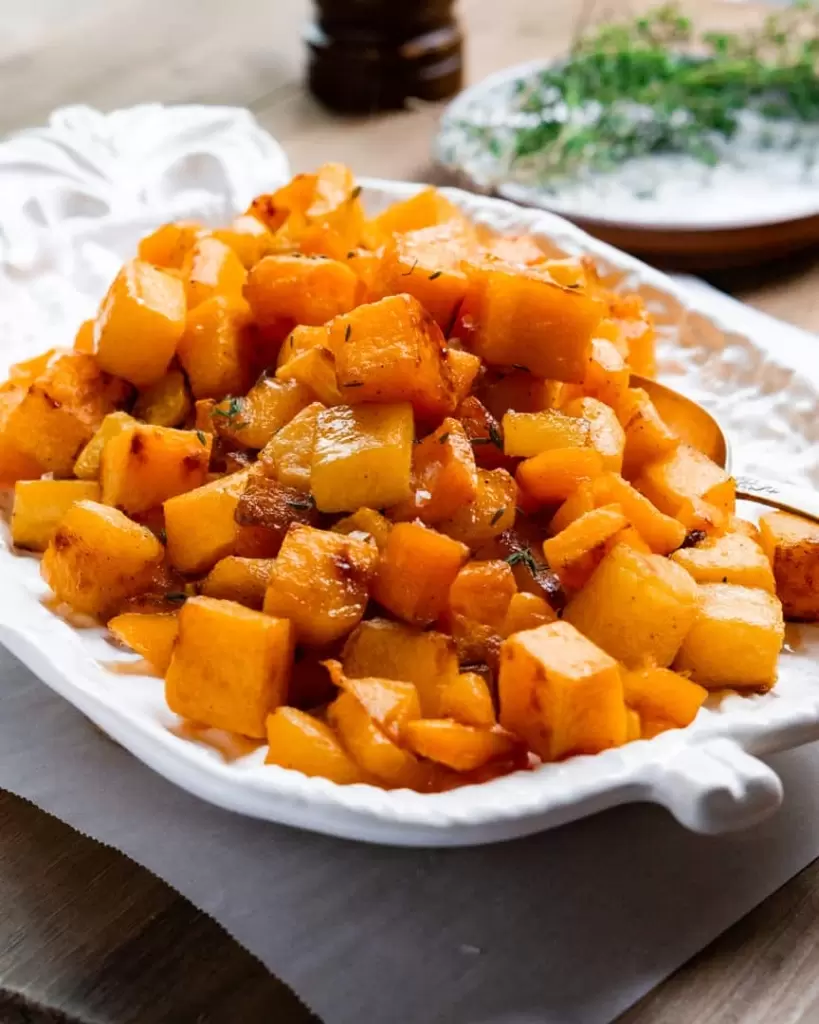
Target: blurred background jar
(370, 55)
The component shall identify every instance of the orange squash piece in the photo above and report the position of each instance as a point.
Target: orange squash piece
(460, 747)
(659, 693)
(230, 667)
(484, 433)
(201, 525)
(268, 509)
(607, 374)
(288, 455)
(392, 703)
(315, 369)
(482, 591)
(417, 566)
(302, 289)
(212, 268)
(662, 533)
(425, 209)
(169, 244)
(552, 476)
(140, 323)
(165, 403)
(648, 437)
(579, 502)
(243, 580)
(467, 700)
(526, 434)
(526, 611)
(683, 475)
(732, 558)
(575, 552)
(302, 743)
(368, 522)
(217, 348)
(84, 339)
(560, 693)
(515, 391)
(248, 238)
(605, 432)
(491, 512)
(444, 476)
(463, 370)
(152, 636)
(39, 505)
(792, 547)
(372, 749)
(252, 420)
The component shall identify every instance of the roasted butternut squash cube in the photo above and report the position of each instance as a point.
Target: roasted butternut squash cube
(484, 433)
(732, 558)
(605, 432)
(98, 557)
(792, 547)
(560, 693)
(575, 552)
(139, 323)
(371, 748)
(662, 533)
(165, 403)
(607, 373)
(84, 338)
(302, 743)
(169, 244)
(526, 434)
(252, 420)
(368, 522)
(659, 693)
(52, 419)
(460, 747)
(735, 639)
(526, 611)
(216, 349)
(152, 636)
(468, 700)
(579, 502)
(15, 464)
(463, 368)
(288, 455)
(302, 289)
(512, 316)
(230, 666)
(393, 351)
(315, 369)
(301, 339)
(637, 607)
(417, 567)
(648, 437)
(489, 514)
(333, 219)
(212, 268)
(392, 650)
(39, 506)
(444, 475)
(248, 238)
(392, 703)
(426, 264)
(362, 457)
(201, 525)
(685, 474)
(321, 583)
(522, 249)
(144, 465)
(270, 508)
(482, 591)
(552, 476)
(87, 466)
(502, 391)
(425, 209)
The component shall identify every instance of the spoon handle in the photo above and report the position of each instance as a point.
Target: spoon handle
(798, 500)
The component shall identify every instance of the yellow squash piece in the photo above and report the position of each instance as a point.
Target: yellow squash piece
(87, 466)
(151, 635)
(244, 580)
(39, 505)
(201, 524)
(731, 558)
(792, 546)
(529, 433)
(683, 476)
(302, 743)
(460, 747)
(372, 749)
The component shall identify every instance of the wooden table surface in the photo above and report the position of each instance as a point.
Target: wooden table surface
(114, 948)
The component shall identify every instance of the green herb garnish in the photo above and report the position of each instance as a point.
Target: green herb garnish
(202, 439)
(348, 331)
(523, 557)
(497, 516)
(176, 596)
(443, 438)
(434, 276)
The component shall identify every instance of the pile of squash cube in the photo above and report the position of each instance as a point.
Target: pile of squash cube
(377, 492)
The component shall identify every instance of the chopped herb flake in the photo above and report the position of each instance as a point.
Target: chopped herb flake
(443, 438)
(355, 193)
(406, 273)
(521, 367)
(354, 384)
(163, 535)
(350, 254)
(176, 596)
(497, 516)
(348, 331)
(302, 504)
(436, 275)
(523, 557)
(202, 439)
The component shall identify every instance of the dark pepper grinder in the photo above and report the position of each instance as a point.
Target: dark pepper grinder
(370, 55)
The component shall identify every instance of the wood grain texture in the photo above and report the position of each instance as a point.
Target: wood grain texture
(86, 935)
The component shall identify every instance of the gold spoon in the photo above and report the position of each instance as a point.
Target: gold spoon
(699, 428)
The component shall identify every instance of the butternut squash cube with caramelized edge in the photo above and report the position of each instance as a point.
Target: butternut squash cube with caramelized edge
(463, 369)
(216, 349)
(243, 580)
(304, 289)
(659, 693)
(607, 374)
(637, 607)
(792, 547)
(288, 455)
(575, 552)
(371, 748)
(87, 466)
(39, 506)
(248, 238)
(315, 369)
(15, 463)
(321, 583)
(579, 502)
(417, 567)
(732, 558)
(391, 650)
(552, 476)
(482, 591)
(144, 465)
(467, 700)
(165, 403)
(301, 339)
(151, 635)
(513, 316)
(605, 432)
(648, 437)
(526, 611)
(302, 743)
(560, 693)
(392, 703)
(201, 525)
(169, 244)
(423, 210)
(504, 391)
(526, 434)
(98, 557)
(444, 476)
(684, 475)
(460, 747)
(491, 512)
(139, 323)
(393, 351)
(230, 667)
(735, 639)
(368, 522)
(253, 419)
(362, 456)
(212, 268)
(662, 533)
(265, 513)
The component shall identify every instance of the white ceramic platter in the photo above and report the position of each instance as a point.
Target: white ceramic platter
(82, 192)
(749, 187)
